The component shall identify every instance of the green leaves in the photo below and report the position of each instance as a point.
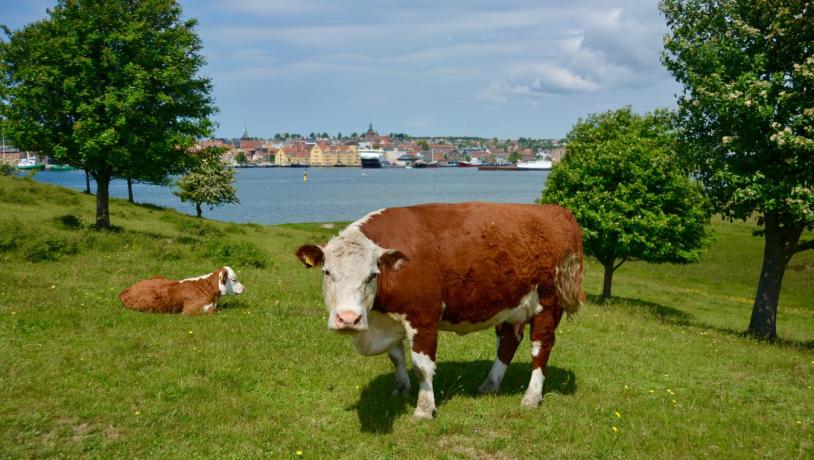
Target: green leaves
(747, 111)
(210, 182)
(631, 197)
(110, 87)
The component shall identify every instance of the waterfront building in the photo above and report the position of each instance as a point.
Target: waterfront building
(324, 154)
(296, 154)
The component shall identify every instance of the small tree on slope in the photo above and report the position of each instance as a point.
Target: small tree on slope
(747, 110)
(211, 182)
(622, 184)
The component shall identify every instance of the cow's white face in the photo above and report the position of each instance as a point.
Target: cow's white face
(349, 284)
(228, 282)
(351, 265)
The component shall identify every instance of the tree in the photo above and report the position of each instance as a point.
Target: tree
(747, 110)
(211, 182)
(7, 169)
(623, 184)
(423, 145)
(514, 157)
(241, 158)
(109, 87)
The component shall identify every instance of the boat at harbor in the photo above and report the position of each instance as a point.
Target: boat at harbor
(473, 163)
(371, 158)
(540, 164)
(29, 163)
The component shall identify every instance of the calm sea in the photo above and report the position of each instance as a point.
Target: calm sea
(279, 195)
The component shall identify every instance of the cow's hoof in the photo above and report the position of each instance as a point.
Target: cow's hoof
(424, 414)
(401, 389)
(488, 388)
(531, 401)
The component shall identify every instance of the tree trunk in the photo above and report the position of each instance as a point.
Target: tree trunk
(130, 190)
(198, 209)
(780, 242)
(607, 281)
(87, 183)
(102, 202)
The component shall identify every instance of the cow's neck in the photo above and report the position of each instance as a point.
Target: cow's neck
(212, 285)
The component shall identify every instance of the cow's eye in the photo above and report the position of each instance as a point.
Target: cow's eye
(371, 277)
(326, 272)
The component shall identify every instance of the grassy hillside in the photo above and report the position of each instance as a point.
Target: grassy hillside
(661, 372)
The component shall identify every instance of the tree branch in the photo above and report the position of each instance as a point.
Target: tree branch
(624, 259)
(803, 246)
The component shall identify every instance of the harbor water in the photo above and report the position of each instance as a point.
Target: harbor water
(280, 195)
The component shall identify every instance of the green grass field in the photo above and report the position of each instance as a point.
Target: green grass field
(660, 372)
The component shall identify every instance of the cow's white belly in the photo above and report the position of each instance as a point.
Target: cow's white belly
(383, 331)
(528, 307)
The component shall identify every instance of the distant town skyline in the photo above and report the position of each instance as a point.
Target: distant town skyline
(507, 69)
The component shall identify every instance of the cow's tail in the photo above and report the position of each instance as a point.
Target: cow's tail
(568, 283)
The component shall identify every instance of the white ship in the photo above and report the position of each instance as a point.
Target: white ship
(540, 164)
(371, 158)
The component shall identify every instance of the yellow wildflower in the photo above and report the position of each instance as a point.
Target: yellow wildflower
(299, 453)
(617, 414)
(615, 429)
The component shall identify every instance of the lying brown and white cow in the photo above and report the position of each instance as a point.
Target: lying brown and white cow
(191, 296)
(409, 272)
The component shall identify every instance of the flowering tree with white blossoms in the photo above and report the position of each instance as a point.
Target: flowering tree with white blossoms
(211, 182)
(747, 109)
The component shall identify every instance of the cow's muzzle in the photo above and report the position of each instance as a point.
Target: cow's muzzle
(348, 321)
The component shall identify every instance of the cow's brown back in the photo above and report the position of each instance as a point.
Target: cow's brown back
(475, 258)
(152, 295)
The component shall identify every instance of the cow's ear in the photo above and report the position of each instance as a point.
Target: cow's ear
(222, 276)
(393, 259)
(310, 255)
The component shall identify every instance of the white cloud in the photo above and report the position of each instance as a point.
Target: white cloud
(605, 49)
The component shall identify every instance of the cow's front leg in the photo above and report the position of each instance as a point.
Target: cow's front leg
(423, 344)
(543, 326)
(396, 355)
(509, 337)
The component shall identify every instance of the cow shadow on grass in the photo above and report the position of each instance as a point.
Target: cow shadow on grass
(378, 408)
(232, 303)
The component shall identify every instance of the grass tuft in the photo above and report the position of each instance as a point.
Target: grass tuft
(68, 222)
(236, 253)
(45, 246)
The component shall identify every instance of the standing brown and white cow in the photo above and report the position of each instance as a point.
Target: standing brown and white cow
(409, 272)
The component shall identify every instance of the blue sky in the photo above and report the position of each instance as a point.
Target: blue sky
(506, 68)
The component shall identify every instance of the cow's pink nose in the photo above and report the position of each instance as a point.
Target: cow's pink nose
(347, 319)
